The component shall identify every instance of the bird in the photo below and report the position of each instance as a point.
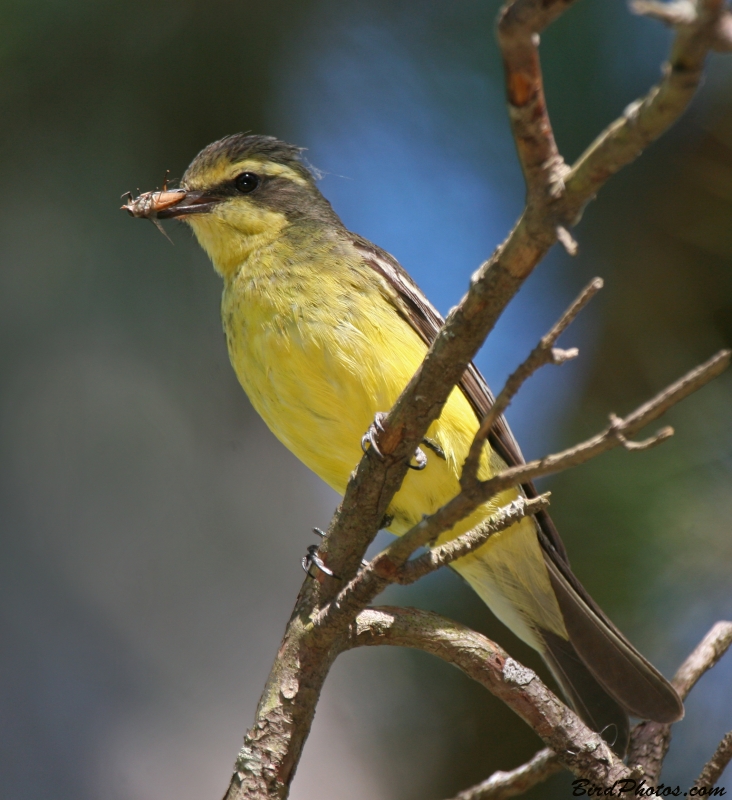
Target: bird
(324, 330)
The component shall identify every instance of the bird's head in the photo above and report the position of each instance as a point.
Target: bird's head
(240, 193)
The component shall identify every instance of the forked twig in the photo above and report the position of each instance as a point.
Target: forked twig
(391, 565)
(615, 435)
(469, 542)
(543, 353)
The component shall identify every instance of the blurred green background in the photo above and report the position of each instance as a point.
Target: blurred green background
(150, 526)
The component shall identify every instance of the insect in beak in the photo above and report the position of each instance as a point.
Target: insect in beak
(150, 204)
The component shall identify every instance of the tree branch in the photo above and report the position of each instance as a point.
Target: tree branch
(519, 688)
(496, 282)
(644, 120)
(650, 740)
(555, 199)
(314, 637)
(502, 785)
(470, 541)
(716, 765)
(707, 653)
(614, 435)
(579, 749)
(519, 26)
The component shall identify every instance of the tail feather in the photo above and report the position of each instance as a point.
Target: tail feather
(588, 698)
(631, 680)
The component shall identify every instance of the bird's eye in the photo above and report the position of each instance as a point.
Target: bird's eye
(246, 182)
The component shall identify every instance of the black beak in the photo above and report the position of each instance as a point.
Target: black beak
(189, 203)
(170, 203)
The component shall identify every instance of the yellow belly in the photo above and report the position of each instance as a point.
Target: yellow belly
(318, 359)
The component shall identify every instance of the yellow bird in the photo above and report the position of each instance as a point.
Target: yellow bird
(324, 330)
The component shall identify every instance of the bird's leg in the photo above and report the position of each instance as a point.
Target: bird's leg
(368, 442)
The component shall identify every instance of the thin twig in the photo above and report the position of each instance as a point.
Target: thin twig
(543, 353)
(706, 654)
(502, 785)
(646, 119)
(470, 541)
(683, 12)
(615, 435)
(650, 741)
(580, 749)
(716, 765)
(391, 565)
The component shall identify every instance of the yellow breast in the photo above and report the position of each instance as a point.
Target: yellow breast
(320, 349)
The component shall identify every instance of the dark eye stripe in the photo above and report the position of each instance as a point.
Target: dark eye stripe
(228, 188)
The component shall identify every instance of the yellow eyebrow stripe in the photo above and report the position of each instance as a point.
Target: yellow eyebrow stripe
(269, 168)
(222, 172)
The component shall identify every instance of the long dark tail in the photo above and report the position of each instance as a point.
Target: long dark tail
(604, 676)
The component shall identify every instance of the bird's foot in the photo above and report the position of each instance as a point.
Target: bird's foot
(311, 558)
(369, 442)
(421, 460)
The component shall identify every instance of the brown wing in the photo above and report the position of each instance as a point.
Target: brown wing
(426, 320)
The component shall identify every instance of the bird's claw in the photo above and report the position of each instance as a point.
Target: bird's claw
(312, 558)
(421, 460)
(368, 442)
